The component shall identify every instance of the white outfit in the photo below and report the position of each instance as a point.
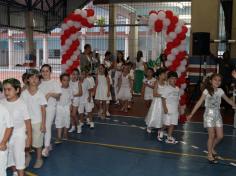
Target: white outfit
(212, 116)
(34, 103)
(148, 92)
(102, 89)
(116, 79)
(124, 92)
(172, 96)
(46, 87)
(19, 113)
(154, 118)
(6, 122)
(140, 65)
(63, 108)
(75, 89)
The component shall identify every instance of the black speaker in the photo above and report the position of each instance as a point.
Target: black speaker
(201, 43)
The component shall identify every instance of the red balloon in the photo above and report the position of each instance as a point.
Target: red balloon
(171, 28)
(184, 29)
(158, 25)
(176, 42)
(90, 12)
(181, 36)
(169, 14)
(152, 11)
(174, 19)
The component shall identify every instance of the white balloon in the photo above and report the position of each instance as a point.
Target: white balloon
(70, 23)
(152, 19)
(63, 26)
(69, 62)
(184, 62)
(77, 25)
(74, 57)
(181, 92)
(73, 36)
(168, 63)
(172, 35)
(161, 15)
(170, 57)
(183, 86)
(69, 41)
(77, 11)
(181, 23)
(64, 67)
(182, 47)
(178, 29)
(181, 69)
(174, 51)
(178, 72)
(77, 52)
(83, 13)
(166, 22)
(91, 19)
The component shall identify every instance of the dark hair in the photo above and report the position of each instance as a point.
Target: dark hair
(64, 75)
(172, 74)
(208, 84)
(86, 46)
(122, 59)
(105, 70)
(139, 55)
(24, 76)
(15, 83)
(163, 57)
(108, 53)
(0, 86)
(76, 70)
(46, 65)
(160, 71)
(32, 72)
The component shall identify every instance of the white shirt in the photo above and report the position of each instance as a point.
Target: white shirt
(5, 121)
(91, 81)
(215, 100)
(85, 88)
(34, 103)
(66, 97)
(50, 86)
(172, 96)
(151, 82)
(19, 113)
(74, 86)
(140, 64)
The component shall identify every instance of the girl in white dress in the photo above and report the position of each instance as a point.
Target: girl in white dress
(148, 86)
(125, 89)
(102, 88)
(52, 91)
(154, 118)
(118, 68)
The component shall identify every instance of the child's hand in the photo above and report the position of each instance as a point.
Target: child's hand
(189, 117)
(43, 128)
(3, 147)
(165, 110)
(108, 94)
(48, 96)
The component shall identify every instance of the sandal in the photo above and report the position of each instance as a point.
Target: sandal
(212, 160)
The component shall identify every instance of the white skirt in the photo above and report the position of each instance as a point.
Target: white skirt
(124, 94)
(101, 94)
(154, 118)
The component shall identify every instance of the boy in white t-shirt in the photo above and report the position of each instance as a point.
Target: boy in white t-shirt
(171, 96)
(36, 104)
(6, 128)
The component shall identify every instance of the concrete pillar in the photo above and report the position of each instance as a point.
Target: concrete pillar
(126, 38)
(29, 33)
(233, 45)
(45, 49)
(133, 37)
(10, 50)
(112, 29)
(205, 18)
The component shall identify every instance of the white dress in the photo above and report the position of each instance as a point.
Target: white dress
(116, 79)
(124, 92)
(102, 88)
(154, 118)
(148, 92)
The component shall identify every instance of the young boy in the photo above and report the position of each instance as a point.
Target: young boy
(171, 97)
(6, 128)
(36, 104)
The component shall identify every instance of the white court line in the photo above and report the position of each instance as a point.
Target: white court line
(205, 151)
(195, 147)
(233, 164)
(182, 131)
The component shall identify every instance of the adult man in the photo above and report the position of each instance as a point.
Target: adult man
(85, 58)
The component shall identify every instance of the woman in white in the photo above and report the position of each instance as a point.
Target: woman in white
(118, 70)
(102, 88)
(21, 123)
(6, 128)
(52, 91)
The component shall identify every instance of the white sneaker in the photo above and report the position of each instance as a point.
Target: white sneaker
(149, 130)
(45, 152)
(91, 125)
(171, 140)
(117, 102)
(108, 114)
(72, 129)
(160, 135)
(88, 121)
(79, 129)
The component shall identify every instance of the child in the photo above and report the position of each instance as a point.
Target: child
(125, 89)
(171, 97)
(36, 105)
(154, 118)
(52, 91)
(63, 108)
(212, 117)
(21, 123)
(147, 88)
(131, 75)
(6, 128)
(24, 80)
(74, 85)
(85, 101)
(102, 88)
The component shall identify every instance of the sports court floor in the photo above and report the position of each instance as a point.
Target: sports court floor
(121, 147)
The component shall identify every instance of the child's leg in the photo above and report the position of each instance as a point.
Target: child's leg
(65, 134)
(218, 138)
(126, 102)
(103, 109)
(170, 130)
(74, 119)
(107, 108)
(121, 105)
(211, 137)
(59, 132)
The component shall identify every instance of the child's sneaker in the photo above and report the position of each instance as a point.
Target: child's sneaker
(58, 141)
(108, 114)
(91, 125)
(87, 121)
(45, 152)
(79, 129)
(160, 135)
(72, 129)
(171, 140)
(149, 130)
(38, 164)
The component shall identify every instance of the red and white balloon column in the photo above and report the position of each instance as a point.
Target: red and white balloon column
(70, 37)
(174, 31)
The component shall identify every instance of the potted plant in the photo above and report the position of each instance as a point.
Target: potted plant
(101, 23)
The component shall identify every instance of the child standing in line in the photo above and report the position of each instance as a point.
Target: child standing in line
(21, 123)
(212, 118)
(36, 105)
(74, 85)
(63, 108)
(52, 91)
(125, 89)
(154, 118)
(148, 86)
(171, 97)
(6, 128)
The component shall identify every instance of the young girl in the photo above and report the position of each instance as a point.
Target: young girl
(148, 86)
(63, 108)
(6, 128)
(74, 85)
(52, 91)
(154, 118)
(36, 104)
(21, 123)
(212, 118)
(125, 89)
(171, 98)
(102, 88)
(85, 101)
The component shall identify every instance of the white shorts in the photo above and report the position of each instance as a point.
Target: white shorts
(85, 107)
(62, 117)
(75, 102)
(148, 97)
(16, 156)
(3, 162)
(37, 135)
